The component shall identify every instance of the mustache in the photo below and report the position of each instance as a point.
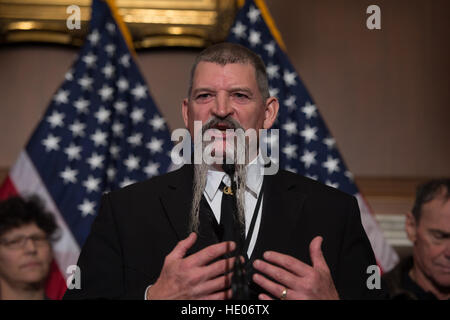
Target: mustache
(226, 123)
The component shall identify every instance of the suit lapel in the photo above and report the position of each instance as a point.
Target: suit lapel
(282, 207)
(176, 199)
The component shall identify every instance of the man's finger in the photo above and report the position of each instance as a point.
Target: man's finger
(210, 253)
(291, 264)
(219, 267)
(222, 295)
(316, 254)
(273, 288)
(209, 287)
(183, 246)
(279, 274)
(263, 296)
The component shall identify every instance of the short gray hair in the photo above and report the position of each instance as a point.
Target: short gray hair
(226, 53)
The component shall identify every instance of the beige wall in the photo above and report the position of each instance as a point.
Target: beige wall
(384, 94)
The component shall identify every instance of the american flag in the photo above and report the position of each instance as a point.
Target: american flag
(101, 131)
(306, 145)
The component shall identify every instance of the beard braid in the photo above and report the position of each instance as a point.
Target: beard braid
(200, 175)
(241, 176)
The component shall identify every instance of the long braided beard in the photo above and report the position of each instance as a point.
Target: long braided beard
(201, 173)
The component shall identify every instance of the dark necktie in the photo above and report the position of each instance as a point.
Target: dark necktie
(228, 217)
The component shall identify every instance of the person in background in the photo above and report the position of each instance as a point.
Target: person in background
(25, 248)
(426, 274)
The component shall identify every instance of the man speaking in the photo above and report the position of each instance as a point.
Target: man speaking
(214, 231)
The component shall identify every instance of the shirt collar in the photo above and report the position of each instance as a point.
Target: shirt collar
(255, 177)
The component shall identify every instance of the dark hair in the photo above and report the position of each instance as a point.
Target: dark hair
(429, 191)
(225, 53)
(16, 212)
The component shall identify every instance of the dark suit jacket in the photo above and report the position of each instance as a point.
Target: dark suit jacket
(139, 225)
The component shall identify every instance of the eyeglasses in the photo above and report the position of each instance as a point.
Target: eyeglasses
(19, 242)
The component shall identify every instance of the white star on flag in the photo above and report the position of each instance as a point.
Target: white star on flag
(309, 110)
(254, 38)
(309, 133)
(56, 119)
(111, 173)
(137, 115)
(73, 152)
(155, 145)
(330, 142)
(89, 60)
(114, 150)
(273, 92)
(51, 143)
(314, 177)
(290, 169)
(290, 150)
(122, 84)
(95, 161)
(120, 106)
(349, 175)
(331, 184)
(127, 181)
(290, 102)
(272, 71)
(62, 96)
(135, 139)
(289, 78)
(270, 48)
(308, 158)
(239, 30)
(110, 49)
(69, 75)
(157, 123)
(94, 37)
(332, 165)
(290, 127)
(69, 175)
(253, 14)
(139, 92)
(132, 162)
(111, 28)
(108, 70)
(102, 115)
(99, 138)
(81, 105)
(117, 129)
(125, 60)
(77, 128)
(151, 169)
(87, 208)
(85, 83)
(106, 92)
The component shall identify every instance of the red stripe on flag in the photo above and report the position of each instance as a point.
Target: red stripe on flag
(56, 285)
(7, 189)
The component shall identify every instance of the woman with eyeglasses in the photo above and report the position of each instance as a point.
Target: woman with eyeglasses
(25, 249)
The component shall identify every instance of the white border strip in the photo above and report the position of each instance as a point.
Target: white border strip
(27, 182)
(384, 253)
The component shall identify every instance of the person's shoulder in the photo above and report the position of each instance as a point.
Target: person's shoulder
(312, 187)
(156, 183)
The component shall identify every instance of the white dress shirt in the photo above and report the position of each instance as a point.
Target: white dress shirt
(253, 187)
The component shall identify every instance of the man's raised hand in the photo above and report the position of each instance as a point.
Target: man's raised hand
(194, 277)
(296, 280)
